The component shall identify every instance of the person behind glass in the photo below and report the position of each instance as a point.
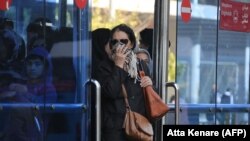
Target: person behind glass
(100, 51)
(38, 70)
(226, 98)
(144, 55)
(100, 47)
(8, 24)
(29, 124)
(10, 69)
(214, 98)
(10, 65)
(37, 36)
(120, 69)
(146, 39)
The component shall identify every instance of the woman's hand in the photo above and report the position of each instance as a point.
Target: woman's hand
(19, 88)
(146, 81)
(120, 55)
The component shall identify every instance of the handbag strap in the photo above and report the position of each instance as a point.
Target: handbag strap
(125, 95)
(142, 74)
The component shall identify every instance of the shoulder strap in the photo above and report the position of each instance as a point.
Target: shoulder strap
(142, 74)
(124, 92)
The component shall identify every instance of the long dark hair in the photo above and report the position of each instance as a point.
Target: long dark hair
(129, 31)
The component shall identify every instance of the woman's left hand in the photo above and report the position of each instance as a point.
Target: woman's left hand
(19, 88)
(146, 81)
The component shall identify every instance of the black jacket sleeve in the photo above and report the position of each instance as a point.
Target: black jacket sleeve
(111, 77)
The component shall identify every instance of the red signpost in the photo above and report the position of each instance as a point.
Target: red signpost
(186, 10)
(81, 3)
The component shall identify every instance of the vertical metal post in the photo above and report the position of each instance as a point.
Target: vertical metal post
(98, 109)
(177, 100)
(161, 54)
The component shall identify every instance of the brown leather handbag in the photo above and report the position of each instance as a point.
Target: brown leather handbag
(137, 127)
(156, 108)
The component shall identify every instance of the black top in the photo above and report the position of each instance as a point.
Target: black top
(111, 78)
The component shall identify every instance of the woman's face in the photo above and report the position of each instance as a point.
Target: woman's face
(35, 68)
(143, 56)
(122, 37)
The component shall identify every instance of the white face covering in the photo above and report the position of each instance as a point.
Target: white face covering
(130, 65)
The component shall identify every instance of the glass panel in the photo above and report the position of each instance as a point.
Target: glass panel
(233, 71)
(196, 58)
(212, 62)
(44, 56)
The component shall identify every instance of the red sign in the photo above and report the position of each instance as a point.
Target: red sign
(5, 4)
(186, 10)
(81, 3)
(234, 16)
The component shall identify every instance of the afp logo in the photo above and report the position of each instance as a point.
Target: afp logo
(234, 133)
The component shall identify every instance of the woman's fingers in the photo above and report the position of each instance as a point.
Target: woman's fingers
(120, 56)
(146, 81)
(121, 49)
(18, 88)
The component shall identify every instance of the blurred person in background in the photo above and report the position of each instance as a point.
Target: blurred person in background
(27, 123)
(144, 55)
(100, 47)
(146, 39)
(227, 98)
(100, 51)
(36, 31)
(8, 24)
(214, 98)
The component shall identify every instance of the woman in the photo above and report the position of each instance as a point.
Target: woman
(100, 51)
(120, 69)
(144, 55)
(100, 47)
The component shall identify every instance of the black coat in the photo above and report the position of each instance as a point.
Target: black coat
(22, 125)
(111, 78)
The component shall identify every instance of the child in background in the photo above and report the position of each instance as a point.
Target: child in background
(30, 124)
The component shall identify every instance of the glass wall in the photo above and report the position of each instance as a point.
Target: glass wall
(212, 64)
(44, 72)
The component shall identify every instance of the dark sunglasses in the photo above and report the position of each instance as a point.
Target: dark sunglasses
(115, 41)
